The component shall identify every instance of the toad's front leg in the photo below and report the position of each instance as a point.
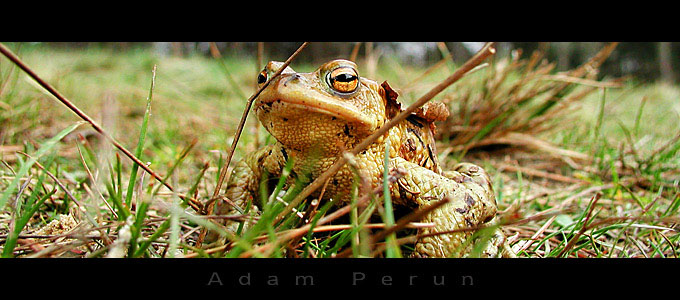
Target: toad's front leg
(241, 191)
(472, 204)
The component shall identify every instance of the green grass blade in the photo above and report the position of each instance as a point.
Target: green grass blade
(142, 137)
(143, 204)
(392, 250)
(29, 163)
(119, 179)
(122, 211)
(11, 241)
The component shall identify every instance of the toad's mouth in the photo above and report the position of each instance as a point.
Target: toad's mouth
(314, 102)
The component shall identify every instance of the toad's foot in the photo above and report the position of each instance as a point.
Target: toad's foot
(472, 203)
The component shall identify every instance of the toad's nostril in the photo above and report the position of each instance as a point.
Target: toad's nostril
(293, 77)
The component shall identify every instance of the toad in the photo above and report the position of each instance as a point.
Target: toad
(315, 117)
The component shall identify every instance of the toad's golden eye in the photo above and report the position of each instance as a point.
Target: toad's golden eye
(262, 77)
(343, 80)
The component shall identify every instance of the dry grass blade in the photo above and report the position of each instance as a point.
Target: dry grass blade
(530, 142)
(582, 81)
(573, 240)
(355, 51)
(539, 173)
(473, 62)
(93, 180)
(520, 97)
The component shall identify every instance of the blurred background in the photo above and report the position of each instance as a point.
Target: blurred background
(647, 61)
(203, 84)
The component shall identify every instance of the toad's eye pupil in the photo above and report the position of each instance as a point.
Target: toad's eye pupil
(345, 77)
(344, 80)
(261, 78)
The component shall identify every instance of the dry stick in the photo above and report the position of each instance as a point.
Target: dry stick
(369, 60)
(223, 173)
(370, 225)
(485, 52)
(16, 60)
(11, 69)
(402, 223)
(416, 215)
(256, 125)
(260, 55)
(82, 115)
(427, 72)
(344, 210)
(536, 234)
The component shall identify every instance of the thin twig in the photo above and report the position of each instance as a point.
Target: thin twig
(402, 223)
(249, 103)
(256, 124)
(415, 215)
(429, 70)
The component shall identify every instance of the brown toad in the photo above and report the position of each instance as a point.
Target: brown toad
(316, 116)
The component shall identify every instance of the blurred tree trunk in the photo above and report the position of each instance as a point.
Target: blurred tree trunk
(503, 49)
(176, 48)
(459, 52)
(665, 62)
(563, 51)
